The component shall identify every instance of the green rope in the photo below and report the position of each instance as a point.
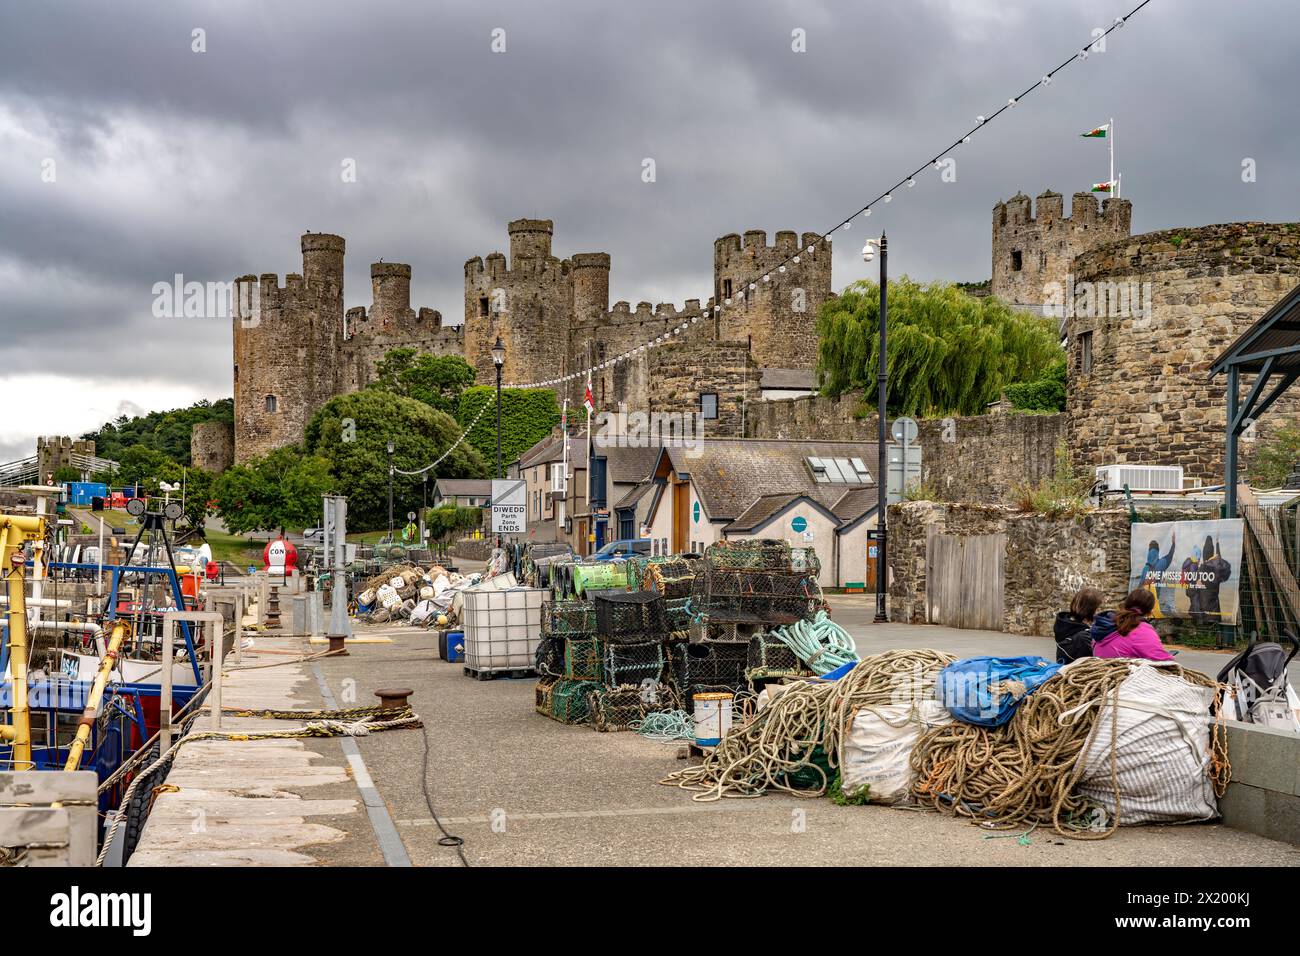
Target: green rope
(820, 643)
(665, 726)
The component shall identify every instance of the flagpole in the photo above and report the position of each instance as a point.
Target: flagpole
(591, 449)
(1112, 155)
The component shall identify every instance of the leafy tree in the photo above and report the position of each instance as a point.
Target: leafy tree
(200, 490)
(351, 432)
(280, 490)
(949, 353)
(66, 473)
(446, 521)
(436, 380)
(1276, 458)
(1045, 394)
(144, 465)
(527, 416)
(165, 432)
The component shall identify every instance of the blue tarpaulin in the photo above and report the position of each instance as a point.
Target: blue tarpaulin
(985, 691)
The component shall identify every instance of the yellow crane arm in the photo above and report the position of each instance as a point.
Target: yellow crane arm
(121, 631)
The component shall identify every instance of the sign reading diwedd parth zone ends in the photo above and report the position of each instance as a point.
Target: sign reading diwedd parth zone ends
(509, 501)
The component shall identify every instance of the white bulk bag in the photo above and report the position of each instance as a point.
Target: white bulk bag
(877, 750)
(1162, 751)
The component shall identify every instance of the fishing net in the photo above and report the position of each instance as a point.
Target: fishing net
(549, 659)
(767, 658)
(582, 658)
(630, 617)
(542, 693)
(569, 617)
(632, 663)
(706, 630)
(569, 701)
(777, 597)
(617, 708)
(678, 613)
(696, 667)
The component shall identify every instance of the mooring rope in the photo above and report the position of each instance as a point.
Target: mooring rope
(665, 726)
(1026, 770)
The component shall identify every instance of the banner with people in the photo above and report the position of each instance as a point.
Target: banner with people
(1192, 566)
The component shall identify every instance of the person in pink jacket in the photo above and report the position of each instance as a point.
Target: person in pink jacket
(1133, 636)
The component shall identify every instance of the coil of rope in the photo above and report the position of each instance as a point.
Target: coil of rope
(780, 740)
(821, 644)
(1026, 770)
(665, 726)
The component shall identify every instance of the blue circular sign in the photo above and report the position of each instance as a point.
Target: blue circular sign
(800, 523)
(695, 512)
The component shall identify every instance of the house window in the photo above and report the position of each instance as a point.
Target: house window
(271, 403)
(1016, 261)
(709, 404)
(1085, 353)
(483, 304)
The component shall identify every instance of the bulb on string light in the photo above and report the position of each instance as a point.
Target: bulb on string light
(1011, 102)
(727, 301)
(1083, 54)
(911, 183)
(767, 278)
(782, 269)
(965, 139)
(810, 250)
(1120, 21)
(847, 225)
(889, 197)
(753, 285)
(795, 260)
(866, 212)
(1047, 79)
(979, 120)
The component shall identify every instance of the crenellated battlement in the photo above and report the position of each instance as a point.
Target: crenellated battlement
(1035, 243)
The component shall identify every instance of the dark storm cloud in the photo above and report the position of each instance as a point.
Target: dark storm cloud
(212, 164)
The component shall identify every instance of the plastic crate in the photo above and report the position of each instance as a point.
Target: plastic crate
(502, 628)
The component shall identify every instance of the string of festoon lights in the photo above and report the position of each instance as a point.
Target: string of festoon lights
(751, 285)
(492, 400)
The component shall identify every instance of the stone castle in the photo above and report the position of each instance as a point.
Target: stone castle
(295, 346)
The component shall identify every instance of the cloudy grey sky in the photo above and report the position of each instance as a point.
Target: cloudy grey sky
(210, 164)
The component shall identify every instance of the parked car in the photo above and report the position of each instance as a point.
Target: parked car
(314, 536)
(622, 550)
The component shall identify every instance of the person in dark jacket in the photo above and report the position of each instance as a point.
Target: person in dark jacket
(1214, 571)
(1071, 629)
(1103, 626)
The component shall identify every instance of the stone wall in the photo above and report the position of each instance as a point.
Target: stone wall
(1151, 315)
(212, 446)
(680, 372)
(974, 458)
(1047, 559)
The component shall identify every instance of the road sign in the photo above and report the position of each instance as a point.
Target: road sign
(509, 501)
(903, 431)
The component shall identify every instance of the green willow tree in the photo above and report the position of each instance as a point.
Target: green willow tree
(949, 353)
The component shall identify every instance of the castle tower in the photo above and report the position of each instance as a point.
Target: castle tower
(1150, 314)
(590, 285)
(776, 318)
(1032, 254)
(390, 283)
(286, 347)
(527, 302)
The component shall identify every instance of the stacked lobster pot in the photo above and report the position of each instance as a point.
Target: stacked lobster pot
(742, 589)
(605, 661)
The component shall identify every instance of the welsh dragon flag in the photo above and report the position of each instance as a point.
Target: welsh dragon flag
(1102, 187)
(1099, 133)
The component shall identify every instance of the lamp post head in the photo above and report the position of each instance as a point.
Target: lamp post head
(390, 447)
(499, 353)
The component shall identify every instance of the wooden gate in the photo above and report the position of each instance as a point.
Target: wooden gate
(964, 580)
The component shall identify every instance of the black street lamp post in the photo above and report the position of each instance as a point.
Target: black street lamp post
(882, 385)
(390, 448)
(499, 360)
